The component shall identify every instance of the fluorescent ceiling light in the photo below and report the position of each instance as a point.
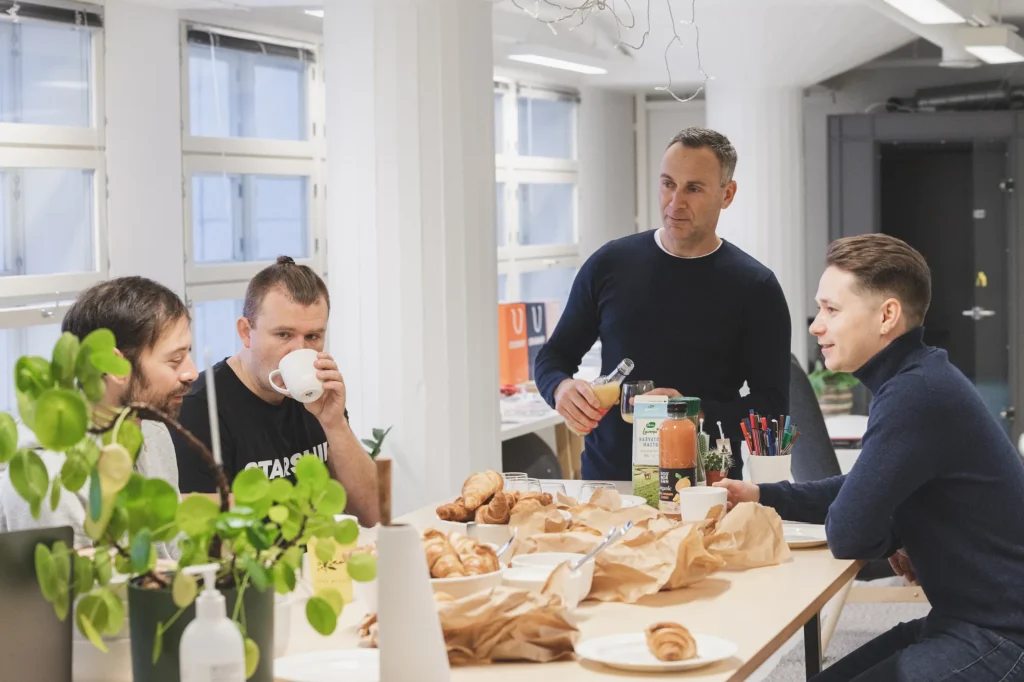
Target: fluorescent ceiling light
(315, 13)
(998, 44)
(931, 11)
(558, 64)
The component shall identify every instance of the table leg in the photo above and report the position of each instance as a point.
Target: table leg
(812, 645)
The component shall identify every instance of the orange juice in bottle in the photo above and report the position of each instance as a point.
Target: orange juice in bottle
(677, 454)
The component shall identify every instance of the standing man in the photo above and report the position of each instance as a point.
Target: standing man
(697, 315)
(286, 308)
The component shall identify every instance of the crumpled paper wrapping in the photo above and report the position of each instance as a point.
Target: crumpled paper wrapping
(503, 624)
(749, 536)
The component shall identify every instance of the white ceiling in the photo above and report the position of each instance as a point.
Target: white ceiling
(760, 42)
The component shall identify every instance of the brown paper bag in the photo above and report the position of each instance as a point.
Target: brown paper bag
(748, 537)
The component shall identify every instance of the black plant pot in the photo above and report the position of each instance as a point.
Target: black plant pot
(147, 608)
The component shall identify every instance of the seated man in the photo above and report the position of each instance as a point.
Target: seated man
(937, 488)
(285, 309)
(152, 328)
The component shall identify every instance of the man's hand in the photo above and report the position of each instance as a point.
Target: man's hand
(329, 408)
(576, 402)
(901, 565)
(739, 491)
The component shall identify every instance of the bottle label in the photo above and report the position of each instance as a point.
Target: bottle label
(670, 482)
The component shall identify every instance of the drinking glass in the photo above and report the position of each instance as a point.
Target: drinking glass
(590, 487)
(533, 485)
(552, 487)
(631, 390)
(512, 475)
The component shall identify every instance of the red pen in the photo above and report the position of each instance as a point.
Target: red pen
(746, 435)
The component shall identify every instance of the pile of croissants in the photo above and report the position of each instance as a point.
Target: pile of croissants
(484, 500)
(457, 556)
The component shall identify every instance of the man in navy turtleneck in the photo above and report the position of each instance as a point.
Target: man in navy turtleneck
(937, 488)
(693, 312)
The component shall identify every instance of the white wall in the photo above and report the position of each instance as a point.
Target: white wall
(664, 120)
(607, 150)
(143, 105)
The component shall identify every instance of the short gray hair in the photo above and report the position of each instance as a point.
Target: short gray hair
(705, 138)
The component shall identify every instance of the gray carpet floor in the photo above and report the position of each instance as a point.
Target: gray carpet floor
(858, 624)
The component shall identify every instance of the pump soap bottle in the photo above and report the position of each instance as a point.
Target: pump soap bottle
(212, 648)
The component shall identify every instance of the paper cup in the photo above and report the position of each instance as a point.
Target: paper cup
(695, 503)
(764, 469)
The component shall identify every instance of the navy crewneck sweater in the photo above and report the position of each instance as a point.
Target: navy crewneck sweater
(702, 326)
(938, 477)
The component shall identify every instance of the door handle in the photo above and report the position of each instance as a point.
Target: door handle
(977, 312)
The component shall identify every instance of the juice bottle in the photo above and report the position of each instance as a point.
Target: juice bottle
(677, 454)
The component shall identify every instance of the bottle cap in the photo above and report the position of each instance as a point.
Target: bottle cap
(685, 407)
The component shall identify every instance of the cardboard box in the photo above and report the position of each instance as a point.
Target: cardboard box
(513, 355)
(536, 332)
(649, 411)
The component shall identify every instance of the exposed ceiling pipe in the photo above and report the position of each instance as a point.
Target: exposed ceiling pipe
(953, 53)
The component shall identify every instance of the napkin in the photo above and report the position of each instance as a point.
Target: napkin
(749, 536)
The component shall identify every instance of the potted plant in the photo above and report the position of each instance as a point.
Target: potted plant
(833, 389)
(716, 465)
(258, 543)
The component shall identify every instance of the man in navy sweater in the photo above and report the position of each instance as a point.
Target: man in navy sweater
(937, 488)
(694, 313)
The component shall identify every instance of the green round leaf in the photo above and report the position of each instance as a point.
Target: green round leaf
(84, 574)
(195, 514)
(122, 564)
(32, 375)
(129, 435)
(162, 500)
(75, 472)
(101, 562)
(99, 340)
(45, 572)
(183, 589)
(258, 537)
(284, 578)
(311, 471)
(61, 419)
(109, 363)
(117, 526)
(292, 557)
(95, 497)
(346, 532)
(91, 617)
(252, 657)
(115, 612)
(8, 437)
(65, 354)
(281, 489)
(321, 616)
(332, 597)
(332, 499)
(362, 567)
(115, 468)
(95, 388)
(251, 485)
(278, 513)
(259, 576)
(29, 477)
(142, 543)
(325, 549)
(55, 488)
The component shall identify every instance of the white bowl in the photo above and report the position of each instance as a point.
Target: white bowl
(550, 560)
(695, 503)
(493, 533)
(629, 501)
(365, 594)
(533, 579)
(463, 587)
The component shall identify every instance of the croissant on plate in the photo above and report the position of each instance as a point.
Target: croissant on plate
(476, 558)
(454, 511)
(442, 559)
(479, 488)
(497, 511)
(670, 642)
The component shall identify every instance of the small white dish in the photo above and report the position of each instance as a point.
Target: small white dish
(629, 501)
(799, 535)
(471, 584)
(351, 665)
(533, 579)
(630, 652)
(550, 560)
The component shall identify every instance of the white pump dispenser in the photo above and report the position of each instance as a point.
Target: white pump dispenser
(212, 648)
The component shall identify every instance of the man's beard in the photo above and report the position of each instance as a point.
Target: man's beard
(139, 392)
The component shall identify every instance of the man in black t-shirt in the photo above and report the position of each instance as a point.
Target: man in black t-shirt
(286, 308)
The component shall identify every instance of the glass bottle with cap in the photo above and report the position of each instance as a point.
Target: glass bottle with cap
(607, 388)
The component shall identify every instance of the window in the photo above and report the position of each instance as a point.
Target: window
(537, 191)
(14, 343)
(253, 154)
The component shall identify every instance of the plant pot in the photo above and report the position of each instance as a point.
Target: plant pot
(716, 476)
(835, 401)
(147, 608)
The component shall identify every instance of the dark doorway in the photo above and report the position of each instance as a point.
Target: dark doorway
(946, 201)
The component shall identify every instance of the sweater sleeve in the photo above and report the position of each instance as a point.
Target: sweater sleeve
(765, 360)
(896, 459)
(806, 502)
(574, 335)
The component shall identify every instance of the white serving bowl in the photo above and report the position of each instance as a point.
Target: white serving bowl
(496, 534)
(550, 560)
(533, 579)
(695, 503)
(463, 587)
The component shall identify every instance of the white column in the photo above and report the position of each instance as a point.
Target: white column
(767, 217)
(411, 253)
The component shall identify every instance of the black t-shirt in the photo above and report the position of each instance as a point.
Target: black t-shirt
(253, 432)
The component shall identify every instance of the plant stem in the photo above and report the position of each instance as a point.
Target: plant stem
(148, 574)
(238, 601)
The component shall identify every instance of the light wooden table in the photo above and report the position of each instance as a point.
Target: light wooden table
(758, 609)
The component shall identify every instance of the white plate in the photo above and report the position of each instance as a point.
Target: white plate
(351, 665)
(630, 652)
(804, 535)
(632, 501)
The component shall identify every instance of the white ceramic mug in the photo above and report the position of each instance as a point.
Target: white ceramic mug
(695, 503)
(299, 376)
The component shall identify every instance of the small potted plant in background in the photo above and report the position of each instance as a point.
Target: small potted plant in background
(833, 389)
(258, 544)
(716, 465)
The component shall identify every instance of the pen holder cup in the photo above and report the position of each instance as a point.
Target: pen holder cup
(765, 469)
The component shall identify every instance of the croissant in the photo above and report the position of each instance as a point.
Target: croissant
(454, 511)
(481, 560)
(528, 505)
(442, 559)
(544, 498)
(479, 487)
(497, 510)
(670, 642)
